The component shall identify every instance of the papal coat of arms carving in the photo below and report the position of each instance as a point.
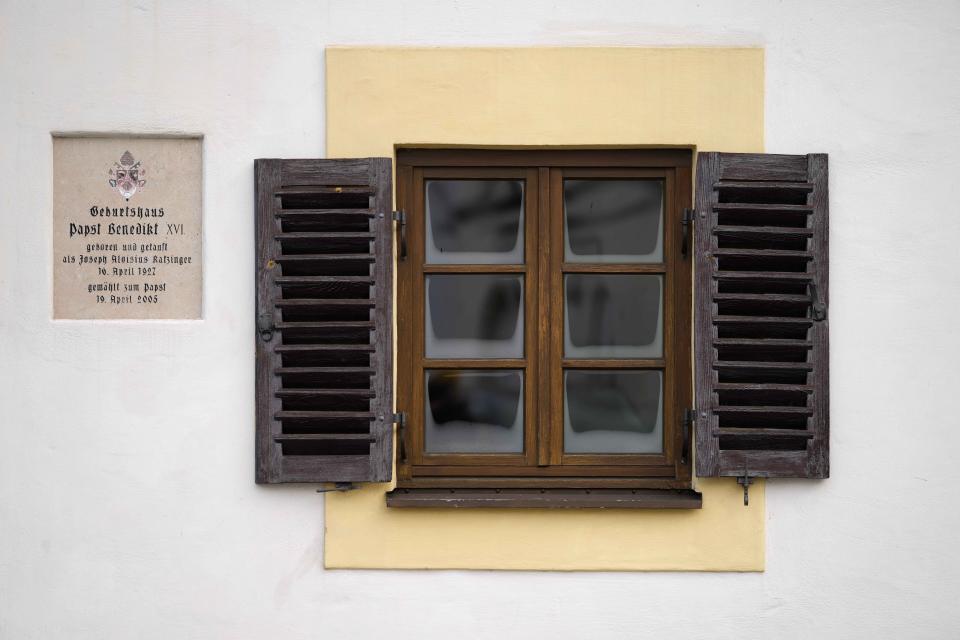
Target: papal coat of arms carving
(127, 176)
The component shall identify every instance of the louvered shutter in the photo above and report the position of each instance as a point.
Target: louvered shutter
(324, 322)
(762, 363)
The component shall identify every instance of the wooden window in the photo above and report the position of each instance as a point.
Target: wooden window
(544, 319)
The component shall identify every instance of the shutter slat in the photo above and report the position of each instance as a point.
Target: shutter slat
(311, 393)
(282, 371)
(311, 190)
(321, 257)
(293, 280)
(327, 302)
(760, 296)
(759, 185)
(763, 253)
(324, 437)
(762, 275)
(764, 207)
(731, 230)
(797, 366)
(764, 410)
(770, 433)
(763, 342)
(761, 319)
(324, 394)
(761, 351)
(294, 213)
(732, 386)
(359, 324)
(309, 348)
(324, 235)
(320, 415)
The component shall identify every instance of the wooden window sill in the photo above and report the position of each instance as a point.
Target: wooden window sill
(546, 498)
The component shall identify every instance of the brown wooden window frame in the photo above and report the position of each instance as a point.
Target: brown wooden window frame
(543, 464)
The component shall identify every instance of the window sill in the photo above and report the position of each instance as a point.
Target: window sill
(546, 498)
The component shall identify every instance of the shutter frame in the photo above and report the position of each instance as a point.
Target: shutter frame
(320, 431)
(760, 268)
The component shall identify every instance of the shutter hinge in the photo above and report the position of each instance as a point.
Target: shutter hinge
(401, 421)
(818, 310)
(685, 221)
(338, 486)
(401, 218)
(688, 420)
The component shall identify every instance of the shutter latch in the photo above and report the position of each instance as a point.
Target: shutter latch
(689, 417)
(818, 310)
(401, 421)
(746, 480)
(685, 223)
(401, 218)
(265, 325)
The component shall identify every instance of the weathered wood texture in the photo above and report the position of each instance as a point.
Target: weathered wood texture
(324, 405)
(546, 498)
(762, 356)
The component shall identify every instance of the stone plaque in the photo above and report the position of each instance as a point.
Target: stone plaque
(126, 227)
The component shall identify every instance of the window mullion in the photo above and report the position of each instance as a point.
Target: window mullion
(544, 346)
(554, 283)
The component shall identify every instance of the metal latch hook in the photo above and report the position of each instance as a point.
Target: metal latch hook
(746, 481)
(401, 218)
(338, 486)
(685, 223)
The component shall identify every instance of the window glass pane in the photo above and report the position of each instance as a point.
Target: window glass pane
(613, 220)
(474, 316)
(613, 411)
(613, 316)
(473, 411)
(474, 221)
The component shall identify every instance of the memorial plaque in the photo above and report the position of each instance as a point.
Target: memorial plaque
(126, 227)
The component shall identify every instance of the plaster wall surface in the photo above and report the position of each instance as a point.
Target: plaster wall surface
(127, 506)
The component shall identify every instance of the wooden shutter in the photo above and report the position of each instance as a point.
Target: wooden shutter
(324, 322)
(762, 362)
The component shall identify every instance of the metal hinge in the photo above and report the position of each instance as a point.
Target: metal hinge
(400, 419)
(685, 221)
(401, 219)
(687, 422)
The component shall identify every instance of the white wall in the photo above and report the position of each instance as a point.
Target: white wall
(127, 503)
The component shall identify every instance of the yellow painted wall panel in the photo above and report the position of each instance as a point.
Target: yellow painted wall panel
(542, 96)
(362, 532)
(711, 98)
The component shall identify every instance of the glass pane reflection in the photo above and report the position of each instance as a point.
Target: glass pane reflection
(473, 411)
(474, 316)
(613, 316)
(474, 221)
(613, 411)
(613, 220)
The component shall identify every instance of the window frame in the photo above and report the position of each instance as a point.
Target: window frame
(543, 462)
